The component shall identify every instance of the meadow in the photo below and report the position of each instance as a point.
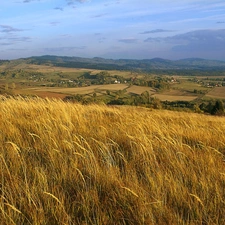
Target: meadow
(64, 163)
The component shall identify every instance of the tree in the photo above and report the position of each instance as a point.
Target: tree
(156, 103)
(203, 106)
(218, 108)
(145, 97)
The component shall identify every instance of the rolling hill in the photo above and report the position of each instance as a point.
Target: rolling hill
(123, 64)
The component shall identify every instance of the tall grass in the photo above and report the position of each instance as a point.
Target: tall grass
(63, 163)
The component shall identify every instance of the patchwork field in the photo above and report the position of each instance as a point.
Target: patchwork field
(217, 92)
(186, 85)
(26, 82)
(163, 97)
(134, 89)
(52, 91)
(175, 95)
(112, 87)
(79, 90)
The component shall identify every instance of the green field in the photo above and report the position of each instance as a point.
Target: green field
(186, 85)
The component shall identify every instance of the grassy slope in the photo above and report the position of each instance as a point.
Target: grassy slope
(63, 163)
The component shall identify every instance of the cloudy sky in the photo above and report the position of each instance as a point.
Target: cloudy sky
(132, 29)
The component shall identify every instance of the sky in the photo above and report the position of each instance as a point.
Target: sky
(114, 29)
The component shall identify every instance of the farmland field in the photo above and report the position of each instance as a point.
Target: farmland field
(58, 82)
(163, 97)
(139, 89)
(175, 95)
(188, 86)
(80, 90)
(53, 91)
(48, 94)
(112, 87)
(217, 92)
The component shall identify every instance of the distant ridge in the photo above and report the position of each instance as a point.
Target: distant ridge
(126, 64)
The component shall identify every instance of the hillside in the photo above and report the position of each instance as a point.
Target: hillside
(124, 64)
(64, 163)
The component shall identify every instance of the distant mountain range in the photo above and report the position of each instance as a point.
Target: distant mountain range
(124, 64)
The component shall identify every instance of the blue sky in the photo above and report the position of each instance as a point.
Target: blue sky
(132, 29)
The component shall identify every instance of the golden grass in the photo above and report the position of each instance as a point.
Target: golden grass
(64, 163)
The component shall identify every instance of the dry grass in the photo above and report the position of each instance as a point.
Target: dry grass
(64, 163)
